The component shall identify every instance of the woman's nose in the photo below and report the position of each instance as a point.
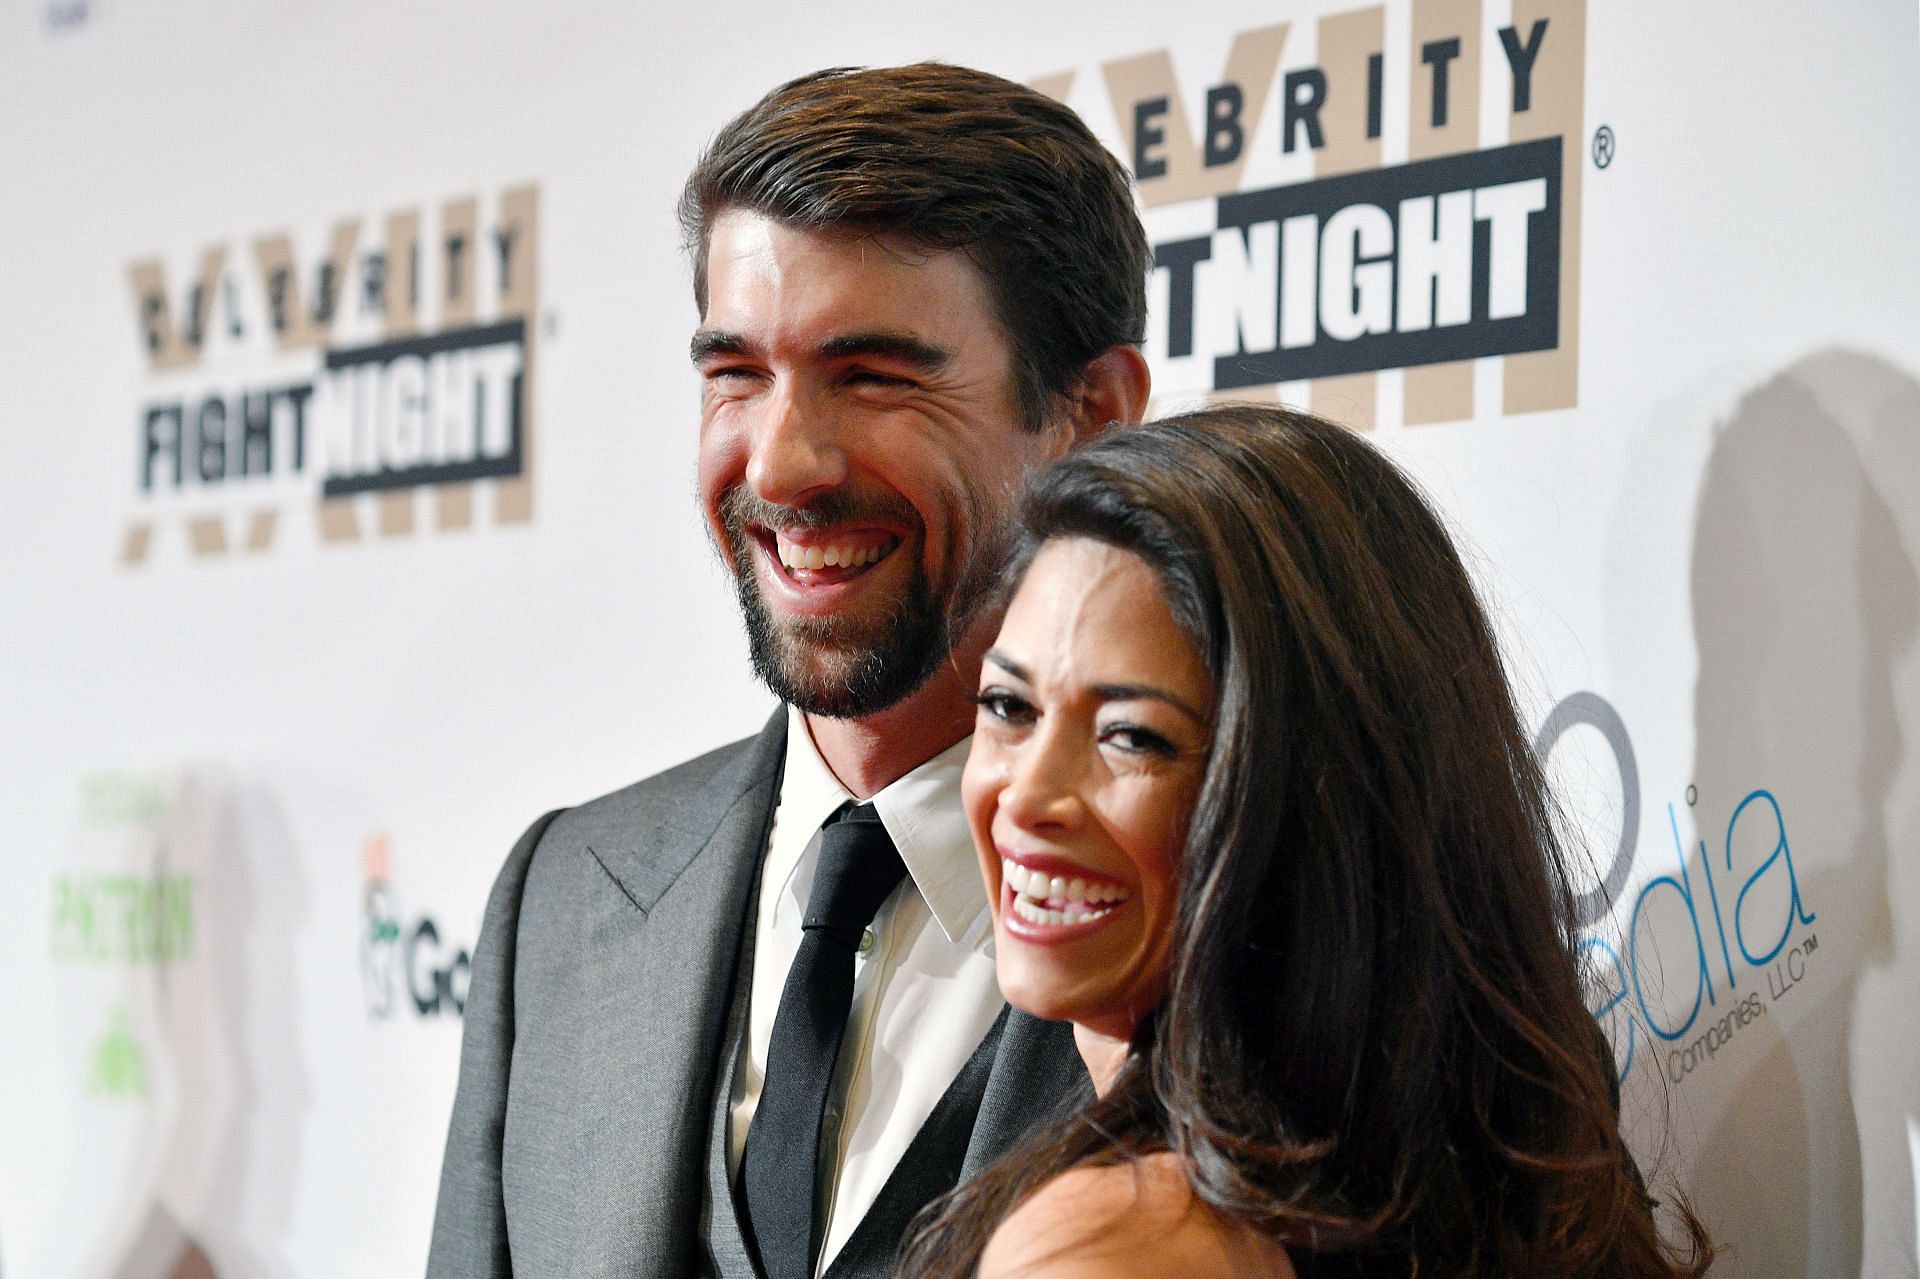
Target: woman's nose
(1042, 776)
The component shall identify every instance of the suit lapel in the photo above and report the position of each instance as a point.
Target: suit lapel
(1037, 1076)
(929, 1168)
(728, 1254)
(662, 953)
(1024, 1072)
(705, 824)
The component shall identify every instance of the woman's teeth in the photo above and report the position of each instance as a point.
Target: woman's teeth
(793, 555)
(1040, 898)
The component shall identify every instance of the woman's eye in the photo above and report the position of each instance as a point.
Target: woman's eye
(1005, 706)
(1135, 740)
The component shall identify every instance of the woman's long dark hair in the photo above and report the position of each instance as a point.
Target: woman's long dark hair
(1374, 1048)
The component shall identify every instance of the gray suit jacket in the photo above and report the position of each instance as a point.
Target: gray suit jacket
(595, 1019)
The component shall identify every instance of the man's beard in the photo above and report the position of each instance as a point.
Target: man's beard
(845, 667)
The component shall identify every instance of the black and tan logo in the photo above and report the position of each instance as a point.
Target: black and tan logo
(1352, 198)
(379, 384)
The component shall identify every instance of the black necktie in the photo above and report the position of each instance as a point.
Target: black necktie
(858, 867)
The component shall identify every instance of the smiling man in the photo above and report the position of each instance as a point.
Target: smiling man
(741, 1018)
(861, 439)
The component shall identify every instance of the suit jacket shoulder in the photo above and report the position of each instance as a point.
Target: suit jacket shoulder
(602, 971)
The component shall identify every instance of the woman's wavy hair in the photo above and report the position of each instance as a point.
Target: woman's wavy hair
(1375, 1047)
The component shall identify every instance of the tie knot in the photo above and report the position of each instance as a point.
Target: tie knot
(858, 867)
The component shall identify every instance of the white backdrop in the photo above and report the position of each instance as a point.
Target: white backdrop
(262, 752)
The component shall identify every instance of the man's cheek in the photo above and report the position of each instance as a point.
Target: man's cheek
(718, 471)
(722, 458)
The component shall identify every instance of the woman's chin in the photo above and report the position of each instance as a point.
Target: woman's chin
(1039, 997)
(1084, 1002)
(1057, 983)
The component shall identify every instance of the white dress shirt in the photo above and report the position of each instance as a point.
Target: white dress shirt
(924, 992)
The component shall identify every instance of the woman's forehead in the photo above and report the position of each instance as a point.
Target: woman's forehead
(1089, 613)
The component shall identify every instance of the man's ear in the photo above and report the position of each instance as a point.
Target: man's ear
(1112, 391)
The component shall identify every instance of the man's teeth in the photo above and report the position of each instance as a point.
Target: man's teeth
(1054, 899)
(794, 555)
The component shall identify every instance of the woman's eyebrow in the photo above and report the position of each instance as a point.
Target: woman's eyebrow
(1006, 663)
(1108, 692)
(1153, 692)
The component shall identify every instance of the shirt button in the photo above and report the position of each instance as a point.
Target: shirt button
(866, 941)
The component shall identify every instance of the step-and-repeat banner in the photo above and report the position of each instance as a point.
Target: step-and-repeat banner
(345, 488)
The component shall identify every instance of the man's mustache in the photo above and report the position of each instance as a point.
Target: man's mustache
(742, 509)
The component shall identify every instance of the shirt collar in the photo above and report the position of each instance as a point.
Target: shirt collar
(923, 814)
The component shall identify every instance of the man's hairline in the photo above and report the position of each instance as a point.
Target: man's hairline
(852, 230)
(838, 228)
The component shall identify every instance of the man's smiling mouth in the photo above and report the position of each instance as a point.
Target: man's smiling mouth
(823, 558)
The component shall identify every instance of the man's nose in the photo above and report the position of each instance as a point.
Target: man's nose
(796, 450)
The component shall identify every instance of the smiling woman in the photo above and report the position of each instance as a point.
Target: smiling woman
(1088, 755)
(1255, 813)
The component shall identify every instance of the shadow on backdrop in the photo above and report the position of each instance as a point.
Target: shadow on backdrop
(1805, 604)
(179, 914)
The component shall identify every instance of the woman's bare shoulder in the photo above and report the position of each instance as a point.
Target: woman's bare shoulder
(1130, 1219)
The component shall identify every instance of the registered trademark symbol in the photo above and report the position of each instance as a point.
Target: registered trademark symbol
(1693, 796)
(1603, 147)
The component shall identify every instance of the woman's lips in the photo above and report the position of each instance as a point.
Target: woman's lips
(1046, 900)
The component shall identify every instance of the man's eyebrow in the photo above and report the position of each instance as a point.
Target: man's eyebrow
(922, 356)
(708, 343)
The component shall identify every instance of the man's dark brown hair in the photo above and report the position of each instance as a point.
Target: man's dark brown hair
(950, 158)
